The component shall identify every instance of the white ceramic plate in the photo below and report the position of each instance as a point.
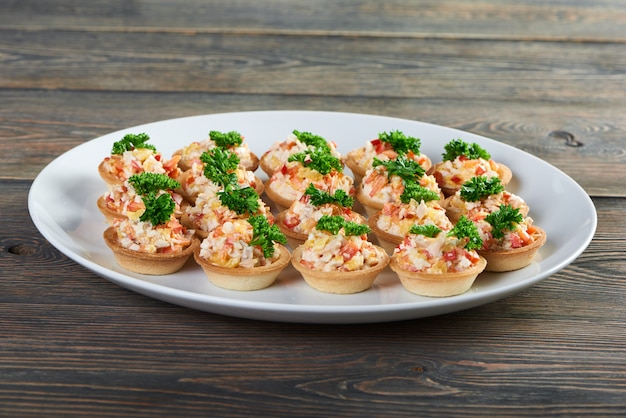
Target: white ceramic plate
(62, 204)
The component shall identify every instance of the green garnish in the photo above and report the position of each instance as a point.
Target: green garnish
(159, 208)
(226, 139)
(240, 200)
(219, 166)
(503, 219)
(428, 230)
(320, 197)
(130, 142)
(400, 142)
(480, 187)
(317, 159)
(458, 147)
(465, 228)
(334, 223)
(312, 140)
(403, 167)
(145, 183)
(413, 190)
(265, 235)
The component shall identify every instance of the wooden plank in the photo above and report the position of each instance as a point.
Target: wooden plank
(497, 71)
(46, 123)
(526, 19)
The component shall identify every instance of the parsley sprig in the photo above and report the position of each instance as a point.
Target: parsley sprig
(130, 142)
(226, 139)
(319, 197)
(265, 235)
(312, 140)
(464, 229)
(479, 187)
(334, 224)
(504, 219)
(159, 207)
(413, 190)
(401, 143)
(428, 230)
(403, 167)
(145, 183)
(220, 165)
(318, 159)
(458, 147)
(240, 200)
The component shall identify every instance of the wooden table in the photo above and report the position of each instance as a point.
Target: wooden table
(548, 79)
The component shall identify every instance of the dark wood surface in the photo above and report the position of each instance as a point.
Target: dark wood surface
(546, 78)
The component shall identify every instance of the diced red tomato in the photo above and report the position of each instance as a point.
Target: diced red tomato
(449, 255)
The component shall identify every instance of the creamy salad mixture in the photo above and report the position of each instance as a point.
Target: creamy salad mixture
(140, 160)
(143, 237)
(381, 187)
(279, 152)
(326, 252)
(293, 178)
(453, 173)
(438, 255)
(228, 245)
(397, 218)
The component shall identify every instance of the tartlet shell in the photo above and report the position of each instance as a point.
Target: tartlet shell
(244, 279)
(147, 263)
(345, 282)
(281, 202)
(504, 173)
(438, 285)
(516, 258)
(109, 214)
(106, 175)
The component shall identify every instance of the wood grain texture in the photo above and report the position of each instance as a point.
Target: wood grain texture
(602, 20)
(545, 77)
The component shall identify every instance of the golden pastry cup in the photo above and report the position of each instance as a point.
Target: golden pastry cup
(281, 202)
(106, 175)
(264, 163)
(504, 173)
(438, 285)
(370, 205)
(516, 258)
(358, 171)
(148, 263)
(339, 282)
(244, 279)
(294, 239)
(109, 214)
(386, 240)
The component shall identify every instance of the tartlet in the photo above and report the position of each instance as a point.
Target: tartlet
(278, 154)
(148, 263)
(338, 258)
(345, 282)
(233, 141)
(381, 186)
(387, 146)
(243, 254)
(434, 263)
(316, 167)
(462, 161)
(515, 258)
(244, 279)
